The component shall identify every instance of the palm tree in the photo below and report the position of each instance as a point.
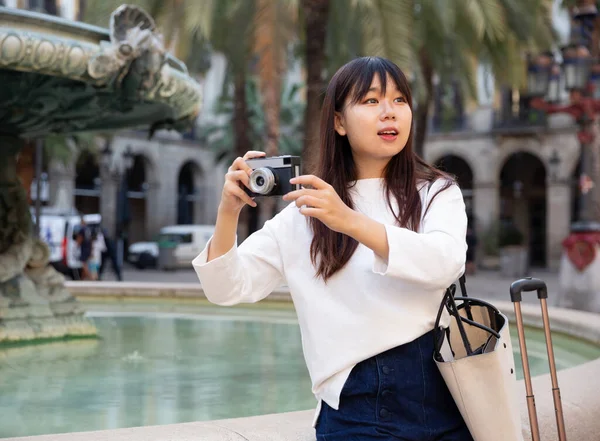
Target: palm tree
(428, 37)
(221, 139)
(255, 36)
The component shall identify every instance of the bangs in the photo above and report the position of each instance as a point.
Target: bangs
(370, 67)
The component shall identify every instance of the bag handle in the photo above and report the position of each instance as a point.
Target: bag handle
(462, 280)
(478, 302)
(449, 303)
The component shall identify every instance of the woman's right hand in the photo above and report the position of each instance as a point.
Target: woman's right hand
(234, 197)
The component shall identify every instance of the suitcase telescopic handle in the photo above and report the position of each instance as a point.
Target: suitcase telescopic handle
(528, 284)
(516, 288)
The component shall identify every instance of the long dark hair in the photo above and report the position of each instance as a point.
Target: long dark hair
(329, 250)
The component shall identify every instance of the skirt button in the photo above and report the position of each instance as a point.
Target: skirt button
(385, 370)
(383, 413)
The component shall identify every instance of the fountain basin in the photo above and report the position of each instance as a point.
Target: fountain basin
(580, 396)
(61, 76)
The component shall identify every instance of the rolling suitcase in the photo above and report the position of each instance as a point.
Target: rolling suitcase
(516, 288)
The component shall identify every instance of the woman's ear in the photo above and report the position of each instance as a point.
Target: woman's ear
(339, 124)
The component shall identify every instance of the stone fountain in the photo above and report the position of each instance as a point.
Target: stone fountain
(59, 76)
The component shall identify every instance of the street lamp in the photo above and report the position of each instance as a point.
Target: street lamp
(580, 74)
(577, 62)
(538, 74)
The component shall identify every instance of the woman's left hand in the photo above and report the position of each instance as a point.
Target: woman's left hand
(321, 202)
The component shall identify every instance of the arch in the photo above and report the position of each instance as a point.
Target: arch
(87, 182)
(189, 192)
(510, 147)
(523, 201)
(460, 168)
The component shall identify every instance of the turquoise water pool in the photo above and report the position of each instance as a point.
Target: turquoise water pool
(208, 363)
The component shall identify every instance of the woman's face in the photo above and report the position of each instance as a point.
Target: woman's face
(377, 127)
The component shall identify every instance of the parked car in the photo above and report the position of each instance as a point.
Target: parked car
(178, 245)
(57, 229)
(143, 254)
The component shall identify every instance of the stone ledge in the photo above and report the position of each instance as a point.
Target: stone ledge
(151, 290)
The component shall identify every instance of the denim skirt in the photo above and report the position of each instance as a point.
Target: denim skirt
(396, 395)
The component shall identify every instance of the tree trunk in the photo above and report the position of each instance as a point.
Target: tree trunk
(271, 67)
(422, 111)
(241, 127)
(316, 13)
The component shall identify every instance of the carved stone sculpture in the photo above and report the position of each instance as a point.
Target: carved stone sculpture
(62, 77)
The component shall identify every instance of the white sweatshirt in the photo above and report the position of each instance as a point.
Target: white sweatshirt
(370, 305)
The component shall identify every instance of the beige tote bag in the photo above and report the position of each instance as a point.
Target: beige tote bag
(474, 355)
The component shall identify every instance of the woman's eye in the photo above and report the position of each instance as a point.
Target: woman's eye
(370, 101)
(401, 99)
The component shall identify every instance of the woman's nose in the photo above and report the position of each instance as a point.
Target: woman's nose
(387, 111)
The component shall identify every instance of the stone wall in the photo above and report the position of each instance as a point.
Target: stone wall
(486, 154)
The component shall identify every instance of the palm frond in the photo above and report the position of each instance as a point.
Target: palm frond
(507, 61)
(397, 24)
(98, 12)
(231, 31)
(344, 38)
(63, 147)
(467, 72)
(198, 17)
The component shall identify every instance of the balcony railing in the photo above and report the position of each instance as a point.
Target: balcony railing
(526, 120)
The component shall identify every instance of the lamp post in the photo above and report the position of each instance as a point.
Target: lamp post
(579, 74)
(119, 168)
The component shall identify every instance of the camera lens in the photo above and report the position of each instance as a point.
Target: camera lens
(262, 181)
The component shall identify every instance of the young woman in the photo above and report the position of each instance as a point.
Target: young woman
(367, 248)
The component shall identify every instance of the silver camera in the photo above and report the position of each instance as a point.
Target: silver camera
(271, 176)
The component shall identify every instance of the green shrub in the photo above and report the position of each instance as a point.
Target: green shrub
(490, 240)
(510, 235)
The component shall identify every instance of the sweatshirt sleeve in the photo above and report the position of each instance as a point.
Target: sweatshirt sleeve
(245, 274)
(435, 257)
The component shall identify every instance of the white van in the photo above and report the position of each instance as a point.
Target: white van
(57, 229)
(179, 244)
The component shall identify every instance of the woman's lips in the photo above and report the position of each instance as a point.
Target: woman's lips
(388, 135)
